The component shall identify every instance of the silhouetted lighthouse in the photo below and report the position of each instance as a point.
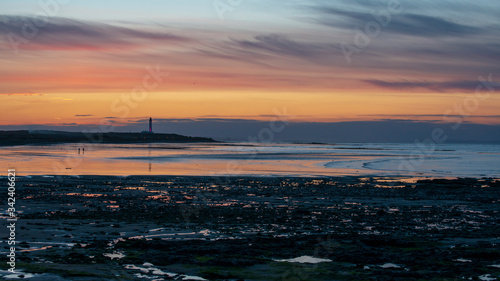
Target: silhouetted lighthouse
(150, 125)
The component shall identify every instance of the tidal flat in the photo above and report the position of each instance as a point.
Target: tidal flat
(255, 228)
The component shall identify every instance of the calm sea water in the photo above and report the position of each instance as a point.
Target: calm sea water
(445, 160)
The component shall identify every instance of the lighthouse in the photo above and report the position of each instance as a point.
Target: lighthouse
(150, 127)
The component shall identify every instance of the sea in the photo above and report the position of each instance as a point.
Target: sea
(255, 159)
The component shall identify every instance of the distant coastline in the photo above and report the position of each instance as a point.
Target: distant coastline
(25, 137)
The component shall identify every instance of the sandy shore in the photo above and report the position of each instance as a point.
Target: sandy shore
(195, 228)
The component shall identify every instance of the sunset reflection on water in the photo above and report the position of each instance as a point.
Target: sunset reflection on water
(243, 159)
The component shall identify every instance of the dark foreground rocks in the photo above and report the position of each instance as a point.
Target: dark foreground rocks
(194, 228)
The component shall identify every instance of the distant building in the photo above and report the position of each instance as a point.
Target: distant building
(150, 127)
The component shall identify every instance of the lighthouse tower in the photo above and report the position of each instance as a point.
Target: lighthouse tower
(150, 127)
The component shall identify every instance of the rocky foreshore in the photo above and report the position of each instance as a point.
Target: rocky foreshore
(249, 228)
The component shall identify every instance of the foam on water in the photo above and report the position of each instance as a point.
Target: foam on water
(305, 259)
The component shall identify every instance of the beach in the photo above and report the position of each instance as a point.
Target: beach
(250, 140)
(256, 228)
(255, 159)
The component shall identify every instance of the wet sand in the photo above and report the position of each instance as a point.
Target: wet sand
(195, 228)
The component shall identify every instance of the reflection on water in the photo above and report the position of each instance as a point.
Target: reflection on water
(447, 160)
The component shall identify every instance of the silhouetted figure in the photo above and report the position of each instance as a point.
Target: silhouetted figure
(78, 150)
(83, 150)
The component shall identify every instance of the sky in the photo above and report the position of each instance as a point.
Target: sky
(221, 65)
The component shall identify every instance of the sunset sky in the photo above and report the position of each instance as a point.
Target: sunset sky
(79, 63)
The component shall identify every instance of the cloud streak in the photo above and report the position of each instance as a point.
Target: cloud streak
(70, 35)
(434, 86)
(402, 24)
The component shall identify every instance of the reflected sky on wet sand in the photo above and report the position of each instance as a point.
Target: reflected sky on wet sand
(238, 159)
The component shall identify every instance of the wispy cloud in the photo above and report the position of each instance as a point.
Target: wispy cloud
(68, 34)
(417, 44)
(405, 23)
(278, 44)
(442, 86)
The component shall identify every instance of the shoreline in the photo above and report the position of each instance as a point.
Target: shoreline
(25, 137)
(393, 178)
(275, 160)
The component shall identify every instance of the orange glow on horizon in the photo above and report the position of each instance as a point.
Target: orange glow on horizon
(91, 108)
